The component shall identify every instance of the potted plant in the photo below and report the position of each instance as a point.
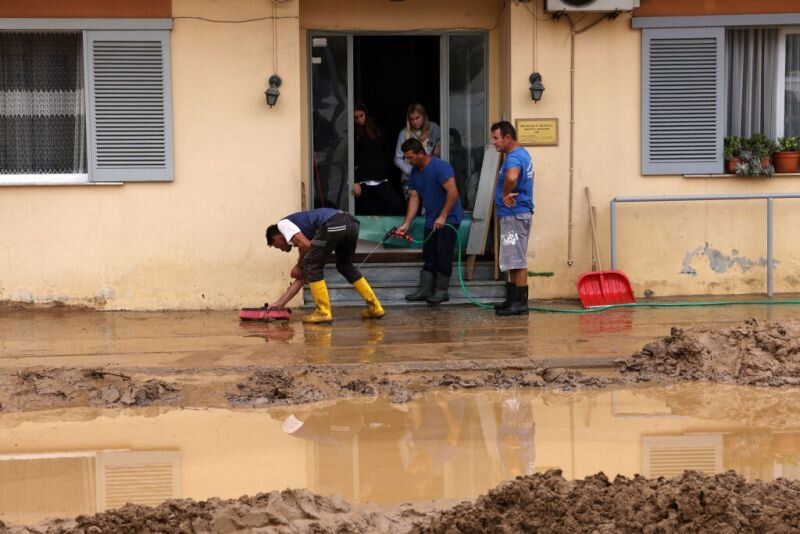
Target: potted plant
(754, 156)
(787, 157)
(732, 147)
(762, 146)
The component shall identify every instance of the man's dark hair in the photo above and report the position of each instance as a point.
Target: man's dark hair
(272, 231)
(505, 128)
(413, 145)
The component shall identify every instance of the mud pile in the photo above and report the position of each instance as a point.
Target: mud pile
(286, 511)
(33, 388)
(753, 353)
(689, 503)
(302, 384)
(538, 503)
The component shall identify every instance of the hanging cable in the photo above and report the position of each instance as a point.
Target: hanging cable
(275, 37)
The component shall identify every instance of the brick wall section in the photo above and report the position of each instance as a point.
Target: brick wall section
(85, 8)
(677, 8)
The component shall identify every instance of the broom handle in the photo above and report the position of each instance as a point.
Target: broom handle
(594, 230)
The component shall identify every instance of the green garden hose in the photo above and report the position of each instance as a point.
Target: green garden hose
(580, 311)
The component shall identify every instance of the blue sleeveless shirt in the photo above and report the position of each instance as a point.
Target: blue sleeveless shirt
(309, 221)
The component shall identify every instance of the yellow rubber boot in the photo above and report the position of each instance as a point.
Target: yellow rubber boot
(319, 291)
(374, 309)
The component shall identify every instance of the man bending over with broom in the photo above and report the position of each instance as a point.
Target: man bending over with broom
(316, 234)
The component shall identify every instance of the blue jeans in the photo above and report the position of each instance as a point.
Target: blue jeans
(438, 251)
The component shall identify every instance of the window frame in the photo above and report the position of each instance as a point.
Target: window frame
(780, 85)
(59, 178)
(83, 26)
(784, 23)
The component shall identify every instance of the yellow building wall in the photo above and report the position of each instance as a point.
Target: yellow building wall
(222, 453)
(724, 242)
(198, 242)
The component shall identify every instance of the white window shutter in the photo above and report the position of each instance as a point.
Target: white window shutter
(683, 105)
(129, 106)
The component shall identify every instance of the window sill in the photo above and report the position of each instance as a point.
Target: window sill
(777, 175)
(48, 180)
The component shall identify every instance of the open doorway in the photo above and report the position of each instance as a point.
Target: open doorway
(445, 72)
(390, 73)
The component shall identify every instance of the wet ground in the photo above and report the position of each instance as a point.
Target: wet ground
(426, 407)
(443, 446)
(217, 339)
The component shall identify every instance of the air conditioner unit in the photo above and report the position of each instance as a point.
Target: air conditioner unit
(591, 5)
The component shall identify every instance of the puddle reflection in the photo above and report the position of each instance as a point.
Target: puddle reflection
(443, 445)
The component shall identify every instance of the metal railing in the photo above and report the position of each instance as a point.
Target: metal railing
(769, 197)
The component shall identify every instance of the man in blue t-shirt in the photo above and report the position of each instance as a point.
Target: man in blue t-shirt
(513, 203)
(432, 182)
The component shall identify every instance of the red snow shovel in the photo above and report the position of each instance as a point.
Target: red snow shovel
(603, 288)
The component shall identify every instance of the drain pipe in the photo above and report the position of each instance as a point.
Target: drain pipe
(571, 135)
(572, 33)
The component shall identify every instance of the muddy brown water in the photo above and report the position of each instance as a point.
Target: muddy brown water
(442, 446)
(176, 340)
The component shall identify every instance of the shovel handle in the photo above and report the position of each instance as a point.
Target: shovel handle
(594, 229)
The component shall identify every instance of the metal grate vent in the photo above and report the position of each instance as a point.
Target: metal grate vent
(138, 477)
(669, 456)
(129, 103)
(683, 100)
(146, 484)
(682, 97)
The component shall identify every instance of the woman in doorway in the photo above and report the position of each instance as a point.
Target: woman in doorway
(373, 191)
(421, 128)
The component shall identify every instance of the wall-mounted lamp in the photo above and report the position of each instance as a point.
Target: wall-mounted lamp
(537, 88)
(272, 93)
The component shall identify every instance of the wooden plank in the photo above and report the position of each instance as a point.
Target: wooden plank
(496, 242)
(595, 266)
(469, 271)
(484, 200)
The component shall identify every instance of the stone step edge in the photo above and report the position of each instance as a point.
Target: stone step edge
(410, 283)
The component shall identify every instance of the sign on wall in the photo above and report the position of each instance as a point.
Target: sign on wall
(537, 132)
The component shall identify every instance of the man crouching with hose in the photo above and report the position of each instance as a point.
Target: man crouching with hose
(316, 234)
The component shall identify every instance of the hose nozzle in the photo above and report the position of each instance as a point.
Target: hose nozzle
(394, 233)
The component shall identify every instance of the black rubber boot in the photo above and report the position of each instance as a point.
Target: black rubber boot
(519, 306)
(510, 295)
(440, 294)
(425, 289)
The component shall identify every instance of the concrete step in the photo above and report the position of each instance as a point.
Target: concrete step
(393, 293)
(402, 272)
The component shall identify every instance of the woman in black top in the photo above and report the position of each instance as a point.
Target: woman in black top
(374, 192)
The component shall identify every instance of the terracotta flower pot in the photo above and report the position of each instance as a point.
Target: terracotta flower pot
(786, 161)
(730, 165)
(765, 162)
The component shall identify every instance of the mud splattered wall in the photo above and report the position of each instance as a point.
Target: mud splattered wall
(86, 9)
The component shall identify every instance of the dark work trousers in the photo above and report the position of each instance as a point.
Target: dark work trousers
(438, 251)
(381, 199)
(338, 234)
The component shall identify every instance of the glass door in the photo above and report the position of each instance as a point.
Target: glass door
(462, 105)
(331, 115)
(467, 103)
